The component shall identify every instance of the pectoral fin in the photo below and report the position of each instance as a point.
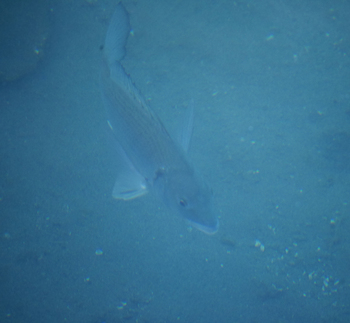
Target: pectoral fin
(187, 128)
(129, 185)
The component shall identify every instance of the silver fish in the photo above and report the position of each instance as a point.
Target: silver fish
(153, 161)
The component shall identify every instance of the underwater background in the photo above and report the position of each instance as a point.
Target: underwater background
(271, 85)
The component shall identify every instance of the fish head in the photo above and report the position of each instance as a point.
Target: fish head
(189, 196)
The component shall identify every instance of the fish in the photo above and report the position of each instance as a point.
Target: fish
(151, 160)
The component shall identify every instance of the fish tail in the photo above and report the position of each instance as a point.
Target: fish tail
(117, 34)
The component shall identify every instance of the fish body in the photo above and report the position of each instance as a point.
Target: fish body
(152, 160)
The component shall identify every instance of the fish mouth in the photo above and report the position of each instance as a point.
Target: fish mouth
(210, 230)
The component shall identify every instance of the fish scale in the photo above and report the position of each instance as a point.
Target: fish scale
(152, 160)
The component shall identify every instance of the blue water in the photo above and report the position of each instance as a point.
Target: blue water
(272, 136)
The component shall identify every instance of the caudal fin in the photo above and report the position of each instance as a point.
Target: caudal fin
(117, 34)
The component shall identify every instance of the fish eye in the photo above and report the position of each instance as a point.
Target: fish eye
(183, 202)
